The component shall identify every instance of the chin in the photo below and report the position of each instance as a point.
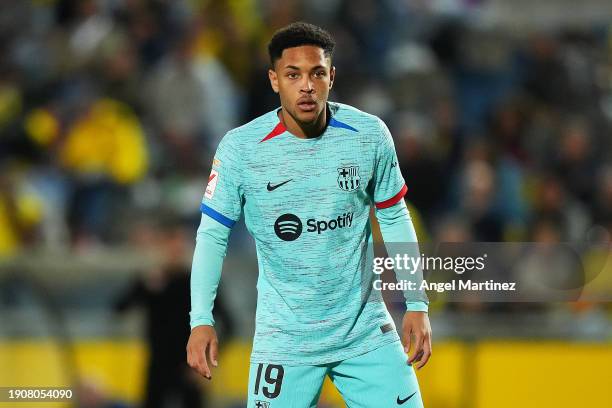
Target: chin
(308, 117)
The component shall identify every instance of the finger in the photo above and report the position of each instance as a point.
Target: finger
(212, 352)
(417, 357)
(426, 354)
(193, 363)
(407, 340)
(418, 349)
(189, 358)
(202, 363)
(203, 369)
(192, 360)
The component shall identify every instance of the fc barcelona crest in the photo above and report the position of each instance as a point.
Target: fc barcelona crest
(348, 178)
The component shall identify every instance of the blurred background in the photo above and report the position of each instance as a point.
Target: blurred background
(110, 112)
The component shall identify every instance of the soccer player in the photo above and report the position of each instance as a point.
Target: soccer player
(305, 175)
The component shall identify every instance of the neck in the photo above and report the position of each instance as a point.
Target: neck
(304, 130)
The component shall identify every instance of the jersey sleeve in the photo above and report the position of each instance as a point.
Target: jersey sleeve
(210, 249)
(389, 186)
(223, 196)
(400, 239)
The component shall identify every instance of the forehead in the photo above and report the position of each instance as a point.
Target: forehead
(303, 56)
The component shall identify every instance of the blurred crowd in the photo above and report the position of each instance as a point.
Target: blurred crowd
(110, 111)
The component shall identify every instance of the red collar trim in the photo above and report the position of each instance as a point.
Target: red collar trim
(279, 129)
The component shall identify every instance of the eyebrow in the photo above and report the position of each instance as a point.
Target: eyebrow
(298, 68)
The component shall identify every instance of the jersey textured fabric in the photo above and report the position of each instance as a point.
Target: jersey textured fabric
(306, 203)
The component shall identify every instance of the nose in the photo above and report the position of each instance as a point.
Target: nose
(307, 85)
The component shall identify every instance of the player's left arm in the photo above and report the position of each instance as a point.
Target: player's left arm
(396, 227)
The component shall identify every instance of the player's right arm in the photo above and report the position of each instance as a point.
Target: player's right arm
(221, 208)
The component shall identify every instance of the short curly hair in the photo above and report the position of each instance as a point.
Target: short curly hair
(297, 34)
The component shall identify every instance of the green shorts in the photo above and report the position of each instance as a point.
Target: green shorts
(380, 378)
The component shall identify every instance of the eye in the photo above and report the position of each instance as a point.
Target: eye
(292, 75)
(320, 74)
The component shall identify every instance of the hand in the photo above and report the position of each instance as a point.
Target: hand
(201, 340)
(416, 332)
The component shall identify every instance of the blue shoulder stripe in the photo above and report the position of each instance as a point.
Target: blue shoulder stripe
(217, 216)
(336, 123)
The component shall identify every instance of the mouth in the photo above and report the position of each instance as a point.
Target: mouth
(307, 105)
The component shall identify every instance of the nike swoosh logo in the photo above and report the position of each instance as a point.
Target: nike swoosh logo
(272, 188)
(402, 401)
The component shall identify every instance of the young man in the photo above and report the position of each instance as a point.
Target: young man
(305, 176)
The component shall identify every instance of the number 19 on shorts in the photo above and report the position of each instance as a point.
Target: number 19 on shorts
(273, 381)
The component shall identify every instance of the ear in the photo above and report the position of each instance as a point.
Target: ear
(332, 75)
(273, 80)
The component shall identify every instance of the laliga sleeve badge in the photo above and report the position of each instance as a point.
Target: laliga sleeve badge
(212, 184)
